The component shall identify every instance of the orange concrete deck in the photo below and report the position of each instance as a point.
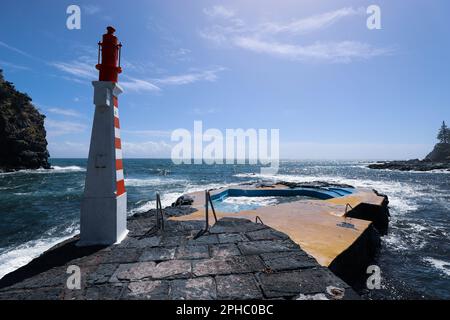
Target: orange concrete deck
(312, 224)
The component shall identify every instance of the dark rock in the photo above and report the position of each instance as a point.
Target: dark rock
(145, 290)
(234, 287)
(288, 260)
(438, 159)
(192, 252)
(292, 283)
(183, 201)
(194, 289)
(440, 153)
(224, 250)
(23, 143)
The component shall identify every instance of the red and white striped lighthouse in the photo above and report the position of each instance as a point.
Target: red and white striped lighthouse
(104, 205)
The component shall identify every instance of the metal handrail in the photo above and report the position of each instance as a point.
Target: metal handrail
(346, 208)
(208, 201)
(159, 213)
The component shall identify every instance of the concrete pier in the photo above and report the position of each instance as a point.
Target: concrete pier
(238, 259)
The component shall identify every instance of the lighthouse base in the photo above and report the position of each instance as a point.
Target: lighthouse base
(103, 220)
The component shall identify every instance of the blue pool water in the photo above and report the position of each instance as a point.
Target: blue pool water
(40, 208)
(235, 200)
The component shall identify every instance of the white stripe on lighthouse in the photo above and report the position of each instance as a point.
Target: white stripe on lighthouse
(119, 175)
(117, 133)
(118, 154)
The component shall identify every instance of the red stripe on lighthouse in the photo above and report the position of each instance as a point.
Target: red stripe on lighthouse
(120, 182)
(120, 187)
(117, 143)
(119, 164)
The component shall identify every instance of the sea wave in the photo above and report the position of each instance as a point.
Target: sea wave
(21, 255)
(54, 169)
(440, 265)
(136, 182)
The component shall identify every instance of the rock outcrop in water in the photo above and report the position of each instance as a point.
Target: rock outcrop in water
(438, 159)
(23, 143)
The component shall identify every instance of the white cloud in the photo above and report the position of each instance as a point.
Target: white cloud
(199, 111)
(64, 112)
(78, 69)
(312, 23)
(91, 9)
(148, 149)
(59, 128)
(12, 65)
(344, 51)
(139, 85)
(148, 133)
(68, 149)
(219, 11)
(347, 151)
(276, 39)
(16, 50)
(206, 75)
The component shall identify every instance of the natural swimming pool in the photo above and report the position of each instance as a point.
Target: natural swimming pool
(235, 200)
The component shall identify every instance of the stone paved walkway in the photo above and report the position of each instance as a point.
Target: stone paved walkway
(238, 259)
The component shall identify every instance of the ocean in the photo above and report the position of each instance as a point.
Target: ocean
(40, 208)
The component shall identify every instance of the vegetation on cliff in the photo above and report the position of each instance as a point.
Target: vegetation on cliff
(23, 143)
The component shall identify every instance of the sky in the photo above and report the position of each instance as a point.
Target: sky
(312, 69)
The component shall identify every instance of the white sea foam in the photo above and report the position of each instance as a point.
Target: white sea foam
(151, 182)
(65, 169)
(260, 201)
(21, 255)
(54, 169)
(442, 266)
(166, 200)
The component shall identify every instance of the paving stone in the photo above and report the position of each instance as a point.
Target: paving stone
(231, 237)
(173, 241)
(288, 260)
(133, 271)
(56, 277)
(104, 292)
(35, 294)
(157, 254)
(293, 283)
(205, 239)
(145, 290)
(192, 252)
(172, 269)
(203, 288)
(242, 286)
(227, 265)
(266, 234)
(147, 242)
(224, 250)
(258, 247)
(244, 225)
(122, 255)
(102, 274)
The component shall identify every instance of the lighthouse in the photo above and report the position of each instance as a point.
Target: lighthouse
(103, 219)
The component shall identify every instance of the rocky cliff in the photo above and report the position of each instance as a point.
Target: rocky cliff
(23, 143)
(438, 159)
(440, 153)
